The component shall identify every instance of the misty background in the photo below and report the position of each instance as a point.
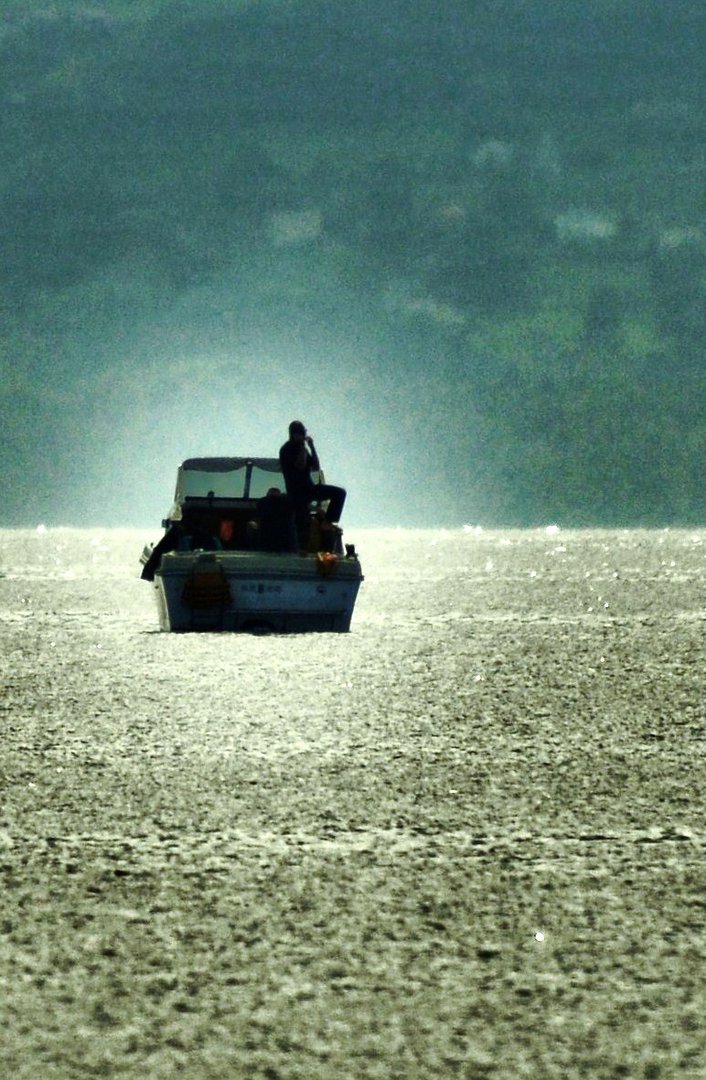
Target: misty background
(464, 242)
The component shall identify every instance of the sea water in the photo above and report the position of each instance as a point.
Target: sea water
(466, 839)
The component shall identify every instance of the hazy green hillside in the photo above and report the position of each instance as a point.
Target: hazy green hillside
(466, 241)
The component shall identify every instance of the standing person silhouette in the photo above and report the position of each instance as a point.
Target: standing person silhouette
(299, 459)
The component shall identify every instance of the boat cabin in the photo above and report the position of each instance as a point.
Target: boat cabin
(232, 504)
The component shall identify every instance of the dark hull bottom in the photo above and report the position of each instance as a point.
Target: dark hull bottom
(271, 622)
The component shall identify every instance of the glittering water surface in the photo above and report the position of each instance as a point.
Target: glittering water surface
(466, 839)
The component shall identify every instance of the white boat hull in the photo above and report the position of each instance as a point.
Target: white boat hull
(255, 591)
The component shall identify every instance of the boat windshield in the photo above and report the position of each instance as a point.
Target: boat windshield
(241, 478)
(261, 481)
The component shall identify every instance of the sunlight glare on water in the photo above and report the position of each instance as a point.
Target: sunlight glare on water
(341, 813)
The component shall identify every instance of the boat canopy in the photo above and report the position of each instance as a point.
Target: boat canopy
(225, 478)
(229, 464)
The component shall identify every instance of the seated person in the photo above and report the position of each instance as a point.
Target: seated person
(298, 459)
(275, 523)
(226, 532)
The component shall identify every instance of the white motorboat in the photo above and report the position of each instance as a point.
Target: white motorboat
(235, 556)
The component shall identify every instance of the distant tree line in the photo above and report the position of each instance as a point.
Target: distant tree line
(173, 142)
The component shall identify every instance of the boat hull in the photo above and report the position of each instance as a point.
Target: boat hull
(256, 592)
